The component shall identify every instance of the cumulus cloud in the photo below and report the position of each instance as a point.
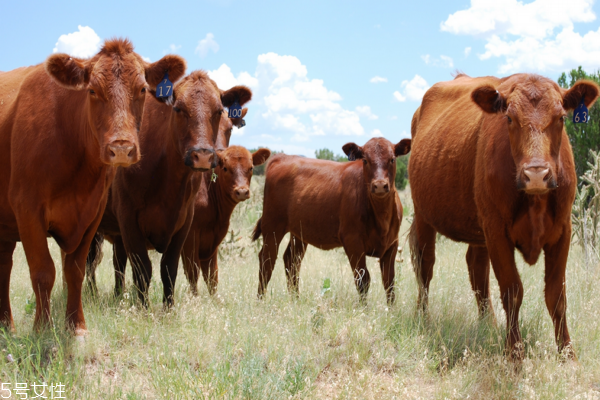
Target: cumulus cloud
(376, 133)
(536, 36)
(83, 44)
(378, 79)
(467, 51)
(225, 79)
(207, 44)
(365, 111)
(443, 61)
(412, 90)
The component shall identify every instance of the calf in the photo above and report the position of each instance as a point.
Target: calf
(65, 126)
(492, 167)
(214, 205)
(329, 204)
(152, 205)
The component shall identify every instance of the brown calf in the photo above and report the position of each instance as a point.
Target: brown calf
(152, 205)
(214, 205)
(64, 127)
(329, 204)
(492, 166)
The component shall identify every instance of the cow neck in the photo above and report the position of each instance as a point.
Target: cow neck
(538, 205)
(383, 208)
(177, 172)
(220, 200)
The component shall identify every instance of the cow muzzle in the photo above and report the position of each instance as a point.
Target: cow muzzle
(537, 179)
(201, 159)
(122, 153)
(241, 193)
(380, 187)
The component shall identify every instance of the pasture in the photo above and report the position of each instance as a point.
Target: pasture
(324, 344)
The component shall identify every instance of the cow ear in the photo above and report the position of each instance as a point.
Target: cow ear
(583, 89)
(242, 94)
(402, 148)
(489, 99)
(69, 72)
(173, 65)
(239, 122)
(353, 151)
(260, 156)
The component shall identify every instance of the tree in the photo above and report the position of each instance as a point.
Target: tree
(326, 154)
(402, 172)
(260, 169)
(583, 137)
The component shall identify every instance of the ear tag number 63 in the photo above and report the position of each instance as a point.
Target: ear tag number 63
(581, 114)
(165, 88)
(235, 111)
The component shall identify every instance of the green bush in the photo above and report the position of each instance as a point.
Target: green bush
(402, 172)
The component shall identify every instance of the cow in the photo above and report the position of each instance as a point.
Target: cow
(151, 206)
(65, 127)
(330, 204)
(214, 205)
(491, 166)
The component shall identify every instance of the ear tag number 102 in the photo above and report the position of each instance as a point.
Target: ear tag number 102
(164, 88)
(235, 111)
(581, 114)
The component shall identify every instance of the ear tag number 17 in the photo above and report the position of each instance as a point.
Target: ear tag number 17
(235, 111)
(581, 114)
(164, 88)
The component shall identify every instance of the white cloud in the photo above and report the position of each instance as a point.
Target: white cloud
(376, 133)
(173, 48)
(147, 59)
(537, 36)
(207, 44)
(83, 44)
(226, 80)
(412, 90)
(366, 112)
(394, 117)
(467, 51)
(443, 61)
(378, 79)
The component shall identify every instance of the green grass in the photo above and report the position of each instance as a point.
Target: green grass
(317, 346)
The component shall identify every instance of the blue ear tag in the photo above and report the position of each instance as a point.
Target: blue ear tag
(242, 124)
(165, 88)
(235, 110)
(581, 114)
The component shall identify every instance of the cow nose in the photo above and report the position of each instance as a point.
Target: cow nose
(536, 179)
(380, 186)
(122, 153)
(200, 159)
(242, 193)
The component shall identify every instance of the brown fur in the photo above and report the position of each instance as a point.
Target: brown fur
(329, 204)
(56, 140)
(473, 141)
(152, 204)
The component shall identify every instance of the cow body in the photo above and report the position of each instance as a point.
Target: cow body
(328, 205)
(152, 206)
(474, 178)
(213, 207)
(64, 127)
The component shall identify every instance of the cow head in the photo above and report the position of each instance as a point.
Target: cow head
(378, 156)
(116, 80)
(235, 170)
(226, 128)
(198, 111)
(534, 111)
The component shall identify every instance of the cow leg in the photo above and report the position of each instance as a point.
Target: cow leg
(141, 266)
(478, 261)
(119, 264)
(94, 258)
(422, 249)
(169, 263)
(387, 263)
(358, 263)
(191, 261)
(6, 263)
(210, 272)
(41, 269)
(502, 255)
(294, 253)
(556, 290)
(267, 258)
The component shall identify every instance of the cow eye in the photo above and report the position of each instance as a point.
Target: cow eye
(143, 90)
(177, 109)
(92, 91)
(364, 161)
(509, 119)
(225, 169)
(392, 160)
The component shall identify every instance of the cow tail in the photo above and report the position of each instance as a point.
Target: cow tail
(257, 230)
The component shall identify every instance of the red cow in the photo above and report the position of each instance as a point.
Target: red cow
(64, 127)
(152, 205)
(492, 166)
(330, 204)
(214, 205)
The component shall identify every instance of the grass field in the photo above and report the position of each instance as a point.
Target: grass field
(318, 346)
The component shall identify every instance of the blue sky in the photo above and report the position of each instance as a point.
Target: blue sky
(323, 73)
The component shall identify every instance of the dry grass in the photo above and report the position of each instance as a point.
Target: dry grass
(318, 346)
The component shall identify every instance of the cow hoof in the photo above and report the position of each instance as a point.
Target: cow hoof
(568, 354)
